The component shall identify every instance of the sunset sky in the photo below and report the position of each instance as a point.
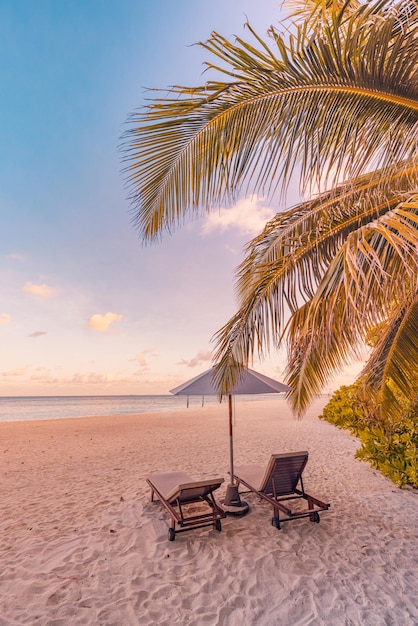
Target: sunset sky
(85, 307)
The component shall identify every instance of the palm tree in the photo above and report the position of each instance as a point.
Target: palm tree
(334, 101)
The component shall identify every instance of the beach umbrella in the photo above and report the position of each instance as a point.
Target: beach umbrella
(250, 382)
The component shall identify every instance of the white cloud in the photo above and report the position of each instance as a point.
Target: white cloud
(248, 215)
(4, 318)
(44, 291)
(102, 322)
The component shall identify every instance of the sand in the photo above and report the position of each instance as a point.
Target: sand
(81, 544)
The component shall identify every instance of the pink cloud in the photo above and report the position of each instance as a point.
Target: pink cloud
(102, 323)
(201, 357)
(142, 357)
(44, 291)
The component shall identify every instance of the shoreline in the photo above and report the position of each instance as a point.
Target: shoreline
(83, 545)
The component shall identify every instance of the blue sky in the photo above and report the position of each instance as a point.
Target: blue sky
(85, 307)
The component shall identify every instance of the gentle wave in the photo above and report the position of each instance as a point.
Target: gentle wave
(23, 408)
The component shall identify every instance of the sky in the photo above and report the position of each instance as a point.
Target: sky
(85, 307)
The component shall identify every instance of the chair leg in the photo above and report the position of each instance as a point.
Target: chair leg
(313, 516)
(275, 520)
(172, 530)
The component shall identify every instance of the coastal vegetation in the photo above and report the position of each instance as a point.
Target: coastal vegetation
(390, 447)
(329, 99)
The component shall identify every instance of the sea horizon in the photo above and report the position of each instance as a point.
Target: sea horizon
(45, 407)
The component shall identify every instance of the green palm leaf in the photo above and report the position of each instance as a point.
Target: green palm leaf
(336, 102)
(348, 271)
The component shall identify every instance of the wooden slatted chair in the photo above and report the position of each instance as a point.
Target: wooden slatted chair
(177, 491)
(280, 482)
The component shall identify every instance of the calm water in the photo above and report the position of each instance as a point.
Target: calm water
(16, 409)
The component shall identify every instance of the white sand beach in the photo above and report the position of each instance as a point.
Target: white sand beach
(81, 544)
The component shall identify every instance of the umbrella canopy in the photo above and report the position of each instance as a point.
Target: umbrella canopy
(250, 382)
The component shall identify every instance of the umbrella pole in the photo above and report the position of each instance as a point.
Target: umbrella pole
(231, 439)
(233, 505)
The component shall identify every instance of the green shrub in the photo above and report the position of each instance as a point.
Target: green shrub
(390, 448)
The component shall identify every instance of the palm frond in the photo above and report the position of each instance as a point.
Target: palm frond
(373, 275)
(323, 101)
(347, 284)
(285, 263)
(394, 359)
(319, 345)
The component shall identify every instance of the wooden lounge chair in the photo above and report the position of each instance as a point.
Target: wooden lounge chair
(280, 482)
(177, 491)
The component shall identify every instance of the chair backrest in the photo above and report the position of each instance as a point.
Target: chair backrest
(193, 491)
(283, 473)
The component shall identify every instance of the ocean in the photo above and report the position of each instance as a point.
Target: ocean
(23, 408)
